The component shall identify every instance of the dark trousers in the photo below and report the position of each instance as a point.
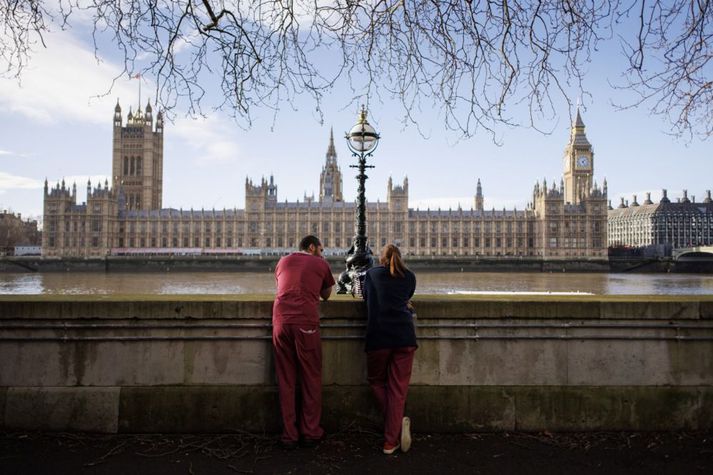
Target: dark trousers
(389, 373)
(298, 358)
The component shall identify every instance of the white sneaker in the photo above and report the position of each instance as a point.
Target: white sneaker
(405, 434)
(390, 449)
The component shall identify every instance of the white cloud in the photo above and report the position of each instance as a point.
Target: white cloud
(208, 138)
(62, 81)
(14, 182)
(5, 152)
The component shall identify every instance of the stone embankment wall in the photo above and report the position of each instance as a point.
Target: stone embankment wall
(267, 264)
(152, 364)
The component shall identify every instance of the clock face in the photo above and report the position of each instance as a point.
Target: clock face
(583, 161)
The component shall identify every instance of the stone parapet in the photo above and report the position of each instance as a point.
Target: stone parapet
(191, 363)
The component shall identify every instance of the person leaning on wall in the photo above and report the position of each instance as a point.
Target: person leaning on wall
(302, 278)
(390, 343)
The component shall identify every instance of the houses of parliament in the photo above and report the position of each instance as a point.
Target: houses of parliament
(126, 217)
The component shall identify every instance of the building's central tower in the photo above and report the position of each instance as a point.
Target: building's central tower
(330, 180)
(137, 158)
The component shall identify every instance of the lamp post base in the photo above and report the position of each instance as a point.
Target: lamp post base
(351, 280)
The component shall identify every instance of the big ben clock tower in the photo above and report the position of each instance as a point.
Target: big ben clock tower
(579, 164)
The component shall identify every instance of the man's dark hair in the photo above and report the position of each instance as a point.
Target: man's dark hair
(307, 241)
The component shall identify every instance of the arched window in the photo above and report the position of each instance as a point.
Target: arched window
(132, 169)
(126, 165)
(138, 166)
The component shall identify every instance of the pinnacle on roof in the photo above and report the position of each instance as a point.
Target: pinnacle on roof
(578, 136)
(579, 123)
(331, 150)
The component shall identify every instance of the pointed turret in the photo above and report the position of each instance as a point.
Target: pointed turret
(272, 189)
(148, 118)
(46, 186)
(331, 150)
(479, 196)
(708, 197)
(159, 122)
(648, 201)
(579, 137)
(330, 180)
(578, 122)
(117, 114)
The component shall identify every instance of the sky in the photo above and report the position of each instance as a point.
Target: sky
(57, 124)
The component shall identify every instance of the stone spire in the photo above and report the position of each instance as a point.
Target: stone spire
(330, 180)
(479, 197)
(579, 137)
(331, 151)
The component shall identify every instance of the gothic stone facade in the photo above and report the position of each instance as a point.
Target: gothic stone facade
(665, 224)
(126, 218)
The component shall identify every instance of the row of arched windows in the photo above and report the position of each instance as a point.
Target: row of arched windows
(133, 166)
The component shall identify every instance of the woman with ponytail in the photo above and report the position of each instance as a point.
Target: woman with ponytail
(390, 343)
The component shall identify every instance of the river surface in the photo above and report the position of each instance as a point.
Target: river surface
(170, 283)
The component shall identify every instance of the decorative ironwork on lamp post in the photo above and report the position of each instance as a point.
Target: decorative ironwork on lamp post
(362, 140)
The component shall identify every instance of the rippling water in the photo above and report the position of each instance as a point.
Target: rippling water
(428, 283)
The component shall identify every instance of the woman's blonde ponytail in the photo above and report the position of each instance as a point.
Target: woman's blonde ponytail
(391, 259)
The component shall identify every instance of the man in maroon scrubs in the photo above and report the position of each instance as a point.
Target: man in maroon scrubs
(302, 278)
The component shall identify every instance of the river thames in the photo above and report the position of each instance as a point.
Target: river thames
(174, 283)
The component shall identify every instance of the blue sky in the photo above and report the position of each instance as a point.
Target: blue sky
(54, 126)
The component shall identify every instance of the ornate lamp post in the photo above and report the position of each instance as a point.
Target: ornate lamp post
(362, 140)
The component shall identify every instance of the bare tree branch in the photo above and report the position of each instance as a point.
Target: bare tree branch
(480, 63)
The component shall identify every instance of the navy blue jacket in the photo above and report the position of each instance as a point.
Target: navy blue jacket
(390, 323)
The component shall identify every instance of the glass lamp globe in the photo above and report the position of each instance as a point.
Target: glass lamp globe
(362, 137)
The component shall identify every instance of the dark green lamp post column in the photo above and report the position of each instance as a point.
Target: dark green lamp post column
(362, 140)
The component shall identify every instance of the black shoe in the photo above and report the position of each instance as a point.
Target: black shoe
(288, 444)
